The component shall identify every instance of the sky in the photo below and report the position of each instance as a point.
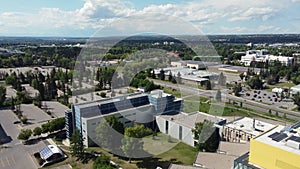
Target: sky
(86, 18)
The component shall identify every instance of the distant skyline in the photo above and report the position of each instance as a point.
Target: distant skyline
(82, 18)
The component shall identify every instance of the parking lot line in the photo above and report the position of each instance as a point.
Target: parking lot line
(7, 161)
(13, 160)
(3, 165)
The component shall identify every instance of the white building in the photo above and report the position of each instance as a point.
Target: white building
(180, 125)
(295, 89)
(264, 56)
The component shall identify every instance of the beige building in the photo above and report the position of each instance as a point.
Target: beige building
(243, 129)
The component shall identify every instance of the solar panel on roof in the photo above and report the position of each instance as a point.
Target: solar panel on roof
(294, 138)
(280, 137)
(46, 152)
(274, 135)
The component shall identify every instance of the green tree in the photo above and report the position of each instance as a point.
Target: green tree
(103, 94)
(37, 131)
(2, 95)
(24, 119)
(237, 89)
(25, 134)
(162, 74)
(132, 143)
(109, 133)
(207, 85)
(296, 100)
(102, 162)
(242, 76)
(207, 136)
(255, 82)
(77, 147)
(12, 104)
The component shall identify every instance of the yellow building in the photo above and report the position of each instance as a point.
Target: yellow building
(278, 148)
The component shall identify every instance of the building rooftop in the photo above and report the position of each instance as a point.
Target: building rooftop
(194, 78)
(49, 150)
(159, 94)
(109, 100)
(249, 125)
(286, 138)
(189, 119)
(225, 156)
(133, 109)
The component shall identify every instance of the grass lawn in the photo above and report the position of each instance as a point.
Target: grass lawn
(222, 110)
(159, 144)
(76, 164)
(172, 151)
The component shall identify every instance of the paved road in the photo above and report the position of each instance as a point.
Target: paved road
(16, 155)
(246, 102)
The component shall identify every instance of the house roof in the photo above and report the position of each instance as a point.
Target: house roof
(49, 150)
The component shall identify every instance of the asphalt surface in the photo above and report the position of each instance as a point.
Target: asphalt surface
(246, 102)
(15, 155)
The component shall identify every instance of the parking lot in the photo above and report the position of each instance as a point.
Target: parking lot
(57, 109)
(267, 98)
(14, 154)
(34, 114)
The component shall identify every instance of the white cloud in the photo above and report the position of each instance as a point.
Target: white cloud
(263, 13)
(96, 14)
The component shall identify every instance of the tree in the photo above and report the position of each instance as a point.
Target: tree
(2, 95)
(296, 100)
(132, 144)
(109, 133)
(102, 162)
(12, 104)
(162, 74)
(45, 128)
(218, 96)
(237, 89)
(242, 76)
(170, 78)
(207, 85)
(207, 136)
(77, 147)
(103, 94)
(255, 83)
(37, 131)
(24, 119)
(25, 134)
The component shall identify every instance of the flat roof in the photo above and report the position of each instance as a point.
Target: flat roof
(95, 116)
(194, 78)
(109, 100)
(249, 125)
(296, 87)
(225, 156)
(281, 143)
(190, 119)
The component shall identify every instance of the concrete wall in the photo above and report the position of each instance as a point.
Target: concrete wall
(142, 114)
(173, 130)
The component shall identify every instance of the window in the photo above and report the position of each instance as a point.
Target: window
(180, 132)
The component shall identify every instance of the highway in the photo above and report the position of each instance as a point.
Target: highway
(246, 102)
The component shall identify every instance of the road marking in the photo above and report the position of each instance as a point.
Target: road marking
(7, 161)
(13, 159)
(3, 165)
